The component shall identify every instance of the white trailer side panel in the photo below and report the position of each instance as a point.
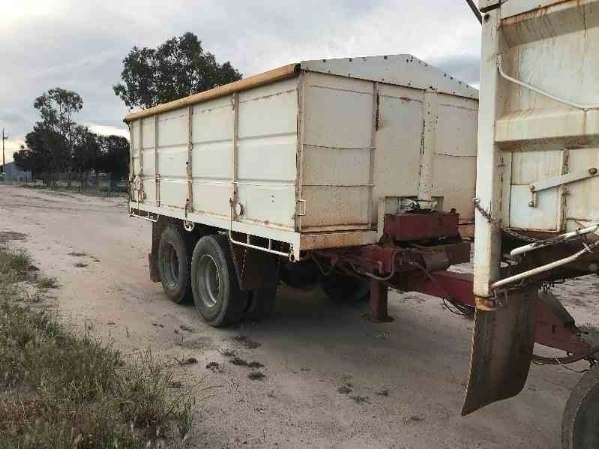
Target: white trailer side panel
(364, 141)
(212, 157)
(454, 165)
(171, 160)
(338, 120)
(539, 118)
(260, 136)
(266, 154)
(398, 141)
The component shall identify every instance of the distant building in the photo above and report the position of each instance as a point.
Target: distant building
(14, 173)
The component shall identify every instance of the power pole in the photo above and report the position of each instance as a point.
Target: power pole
(4, 137)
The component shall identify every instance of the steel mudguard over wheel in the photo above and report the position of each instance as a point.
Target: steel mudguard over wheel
(216, 293)
(174, 263)
(580, 425)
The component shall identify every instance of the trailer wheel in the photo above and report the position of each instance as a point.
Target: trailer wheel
(173, 264)
(216, 293)
(580, 425)
(261, 303)
(343, 289)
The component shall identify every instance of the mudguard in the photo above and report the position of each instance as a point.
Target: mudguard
(502, 348)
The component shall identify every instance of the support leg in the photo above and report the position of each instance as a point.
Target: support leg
(378, 302)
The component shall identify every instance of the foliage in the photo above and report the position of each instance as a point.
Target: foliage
(56, 108)
(114, 157)
(47, 151)
(57, 144)
(177, 68)
(86, 150)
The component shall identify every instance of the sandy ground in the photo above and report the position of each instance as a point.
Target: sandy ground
(332, 378)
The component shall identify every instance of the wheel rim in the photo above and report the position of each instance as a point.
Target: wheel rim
(171, 271)
(210, 281)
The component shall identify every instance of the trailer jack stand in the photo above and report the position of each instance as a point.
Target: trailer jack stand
(378, 302)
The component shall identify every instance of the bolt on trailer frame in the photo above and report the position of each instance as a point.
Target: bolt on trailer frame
(537, 212)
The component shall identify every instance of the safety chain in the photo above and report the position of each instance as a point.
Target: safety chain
(497, 223)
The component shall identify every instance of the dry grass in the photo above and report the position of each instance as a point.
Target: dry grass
(46, 283)
(62, 391)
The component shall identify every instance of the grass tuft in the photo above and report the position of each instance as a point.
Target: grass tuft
(46, 283)
(14, 263)
(64, 391)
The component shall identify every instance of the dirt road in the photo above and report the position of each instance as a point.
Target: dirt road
(332, 379)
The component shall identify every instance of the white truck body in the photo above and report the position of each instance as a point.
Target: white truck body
(539, 123)
(309, 154)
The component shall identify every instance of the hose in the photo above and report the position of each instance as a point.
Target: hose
(541, 360)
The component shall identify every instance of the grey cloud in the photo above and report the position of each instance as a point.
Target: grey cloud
(79, 45)
(465, 68)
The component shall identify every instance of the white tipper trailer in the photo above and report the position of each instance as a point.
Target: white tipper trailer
(305, 155)
(537, 198)
(332, 172)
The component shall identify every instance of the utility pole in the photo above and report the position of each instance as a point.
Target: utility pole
(4, 137)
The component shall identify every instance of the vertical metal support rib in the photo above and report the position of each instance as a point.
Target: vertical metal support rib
(563, 192)
(489, 162)
(132, 144)
(156, 170)
(234, 198)
(378, 302)
(300, 207)
(190, 160)
(374, 129)
(429, 140)
(140, 198)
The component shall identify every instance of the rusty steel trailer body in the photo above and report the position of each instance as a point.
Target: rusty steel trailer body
(359, 155)
(309, 155)
(356, 156)
(537, 208)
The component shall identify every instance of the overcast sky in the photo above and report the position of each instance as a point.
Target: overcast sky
(80, 44)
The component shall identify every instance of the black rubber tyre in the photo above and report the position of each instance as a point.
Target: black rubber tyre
(261, 303)
(173, 264)
(216, 293)
(344, 289)
(580, 424)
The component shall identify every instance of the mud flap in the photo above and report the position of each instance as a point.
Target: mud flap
(157, 229)
(153, 264)
(255, 269)
(502, 349)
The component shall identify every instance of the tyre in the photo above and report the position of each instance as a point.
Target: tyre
(174, 264)
(216, 293)
(261, 302)
(343, 289)
(580, 425)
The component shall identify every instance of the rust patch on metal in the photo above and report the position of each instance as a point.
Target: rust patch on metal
(337, 239)
(536, 13)
(378, 302)
(414, 226)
